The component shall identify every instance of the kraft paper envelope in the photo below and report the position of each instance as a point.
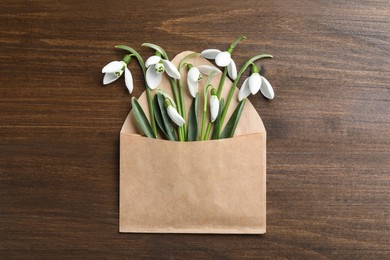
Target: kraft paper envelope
(216, 186)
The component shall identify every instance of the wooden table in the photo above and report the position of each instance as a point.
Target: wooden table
(328, 183)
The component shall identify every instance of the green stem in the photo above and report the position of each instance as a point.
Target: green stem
(203, 121)
(225, 71)
(222, 82)
(234, 44)
(220, 87)
(180, 85)
(156, 48)
(151, 111)
(183, 108)
(175, 94)
(178, 106)
(208, 131)
(186, 58)
(232, 89)
(148, 93)
(202, 133)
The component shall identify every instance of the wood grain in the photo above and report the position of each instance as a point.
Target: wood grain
(328, 184)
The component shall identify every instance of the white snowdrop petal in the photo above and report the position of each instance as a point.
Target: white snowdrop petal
(192, 87)
(174, 115)
(113, 66)
(171, 69)
(254, 83)
(232, 70)
(214, 107)
(153, 79)
(207, 70)
(128, 80)
(193, 74)
(266, 89)
(109, 78)
(210, 53)
(223, 59)
(152, 60)
(244, 90)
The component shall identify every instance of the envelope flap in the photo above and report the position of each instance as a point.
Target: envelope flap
(250, 121)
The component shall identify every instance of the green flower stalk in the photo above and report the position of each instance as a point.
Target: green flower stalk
(205, 91)
(158, 64)
(194, 75)
(223, 59)
(232, 89)
(148, 94)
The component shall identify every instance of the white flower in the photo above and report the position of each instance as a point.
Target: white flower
(253, 84)
(174, 115)
(113, 70)
(214, 107)
(195, 74)
(222, 59)
(156, 67)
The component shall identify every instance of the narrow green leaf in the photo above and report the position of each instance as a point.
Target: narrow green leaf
(192, 133)
(156, 48)
(141, 119)
(162, 118)
(217, 125)
(231, 125)
(158, 116)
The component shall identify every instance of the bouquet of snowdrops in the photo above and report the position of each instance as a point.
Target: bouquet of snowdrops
(168, 117)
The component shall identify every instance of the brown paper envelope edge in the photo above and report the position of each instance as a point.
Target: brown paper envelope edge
(187, 198)
(250, 124)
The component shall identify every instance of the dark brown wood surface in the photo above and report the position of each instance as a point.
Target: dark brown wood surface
(328, 183)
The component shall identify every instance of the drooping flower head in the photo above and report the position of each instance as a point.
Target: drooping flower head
(156, 66)
(113, 70)
(254, 83)
(214, 105)
(222, 59)
(173, 114)
(195, 75)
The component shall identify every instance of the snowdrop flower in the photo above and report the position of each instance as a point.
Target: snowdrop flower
(156, 67)
(195, 74)
(222, 59)
(113, 70)
(214, 105)
(254, 83)
(173, 114)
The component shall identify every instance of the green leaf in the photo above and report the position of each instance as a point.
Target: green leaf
(217, 125)
(141, 119)
(156, 48)
(192, 133)
(231, 125)
(158, 116)
(162, 118)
